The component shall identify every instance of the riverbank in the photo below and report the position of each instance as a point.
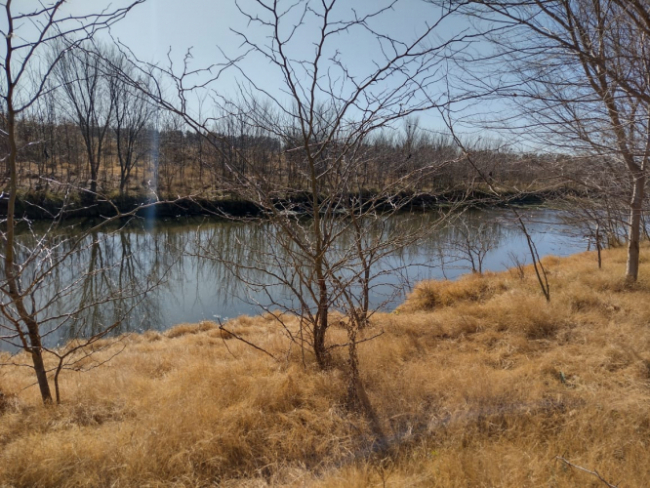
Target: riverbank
(45, 206)
(477, 382)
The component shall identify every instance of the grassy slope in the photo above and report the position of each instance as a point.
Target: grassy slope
(479, 382)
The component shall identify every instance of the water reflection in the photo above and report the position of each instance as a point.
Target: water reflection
(158, 275)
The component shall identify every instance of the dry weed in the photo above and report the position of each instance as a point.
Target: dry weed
(478, 382)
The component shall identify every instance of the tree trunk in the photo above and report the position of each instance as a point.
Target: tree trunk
(37, 360)
(10, 267)
(357, 396)
(599, 248)
(320, 329)
(93, 181)
(636, 206)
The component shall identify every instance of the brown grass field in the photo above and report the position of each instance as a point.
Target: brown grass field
(477, 383)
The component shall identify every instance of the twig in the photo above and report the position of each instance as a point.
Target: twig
(333, 346)
(239, 338)
(593, 473)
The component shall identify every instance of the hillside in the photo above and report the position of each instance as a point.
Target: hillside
(478, 382)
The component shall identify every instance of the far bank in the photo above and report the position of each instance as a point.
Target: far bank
(47, 206)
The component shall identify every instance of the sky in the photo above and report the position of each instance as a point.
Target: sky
(207, 27)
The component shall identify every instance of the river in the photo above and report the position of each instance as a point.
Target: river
(155, 274)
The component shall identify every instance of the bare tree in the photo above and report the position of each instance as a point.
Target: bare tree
(25, 72)
(578, 76)
(326, 231)
(331, 114)
(132, 115)
(87, 100)
(505, 199)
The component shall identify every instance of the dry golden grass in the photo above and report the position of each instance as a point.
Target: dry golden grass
(478, 383)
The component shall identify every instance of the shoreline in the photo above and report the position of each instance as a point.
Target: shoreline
(46, 207)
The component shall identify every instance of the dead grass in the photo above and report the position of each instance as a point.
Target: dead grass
(434, 295)
(478, 382)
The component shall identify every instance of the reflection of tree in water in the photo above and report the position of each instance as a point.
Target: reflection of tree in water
(447, 252)
(104, 279)
(118, 263)
(247, 256)
(241, 250)
(145, 272)
(469, 238)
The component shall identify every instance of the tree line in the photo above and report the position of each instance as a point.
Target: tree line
(93, 131)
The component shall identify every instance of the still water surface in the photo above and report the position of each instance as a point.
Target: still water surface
(190, 287)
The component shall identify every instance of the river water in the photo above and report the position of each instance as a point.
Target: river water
(153, 275)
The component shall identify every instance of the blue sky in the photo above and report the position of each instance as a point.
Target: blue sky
(206, 26)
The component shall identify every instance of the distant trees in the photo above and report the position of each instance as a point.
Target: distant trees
(98, 132)
(144, 146)
(88, 102)
(131, 121)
